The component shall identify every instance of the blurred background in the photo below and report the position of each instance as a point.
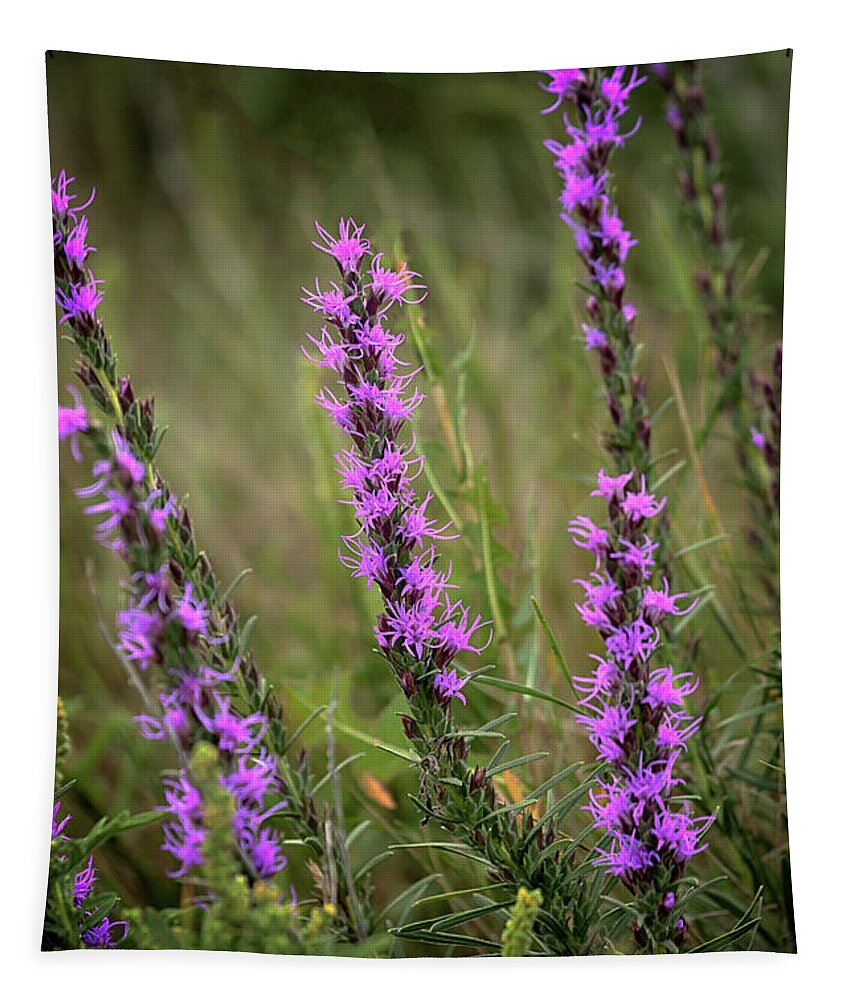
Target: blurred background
(209, 179)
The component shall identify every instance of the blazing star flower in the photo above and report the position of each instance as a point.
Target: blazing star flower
(73, 421)
(636, 718)
(594, 129)
(76, 248)
(595, 339)
(587, 535)
(266, 853)
(102, 935)
(391, 286)
(61, 199)
(192, 612)
(234, 733)
(641, 504)
(448, 685)
(419, 631)
(758, 439)
(57, 828)
(562, 83)
(611, 487)
(255, 777)
(185, 842)
(81, 301)
(348, 250)
(84, 881)
(658, 604)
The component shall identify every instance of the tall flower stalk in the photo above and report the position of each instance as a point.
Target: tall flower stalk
(423, 626)
(721, 284)
(637, 718)
(179, 635)
(596, 103)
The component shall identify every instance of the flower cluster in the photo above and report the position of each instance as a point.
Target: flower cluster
(105, 933)
(168, 622)
(637, 719)
(422, 629)
(600, 101)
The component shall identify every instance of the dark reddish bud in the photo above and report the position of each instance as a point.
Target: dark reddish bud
(409, 684)
(411, 729)
(478, 779)
(616, 411)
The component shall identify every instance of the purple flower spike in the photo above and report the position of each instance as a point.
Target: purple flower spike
(419, 631)
(636, 717)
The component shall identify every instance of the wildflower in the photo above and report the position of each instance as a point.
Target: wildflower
(81, 301)
(641, 504)
(662, 690)
(611, 487)
(73, 421)
(419, 631)
(84, 880)
(455, 636)
(391, 286)
(637, 720)
(192, 612)
(102, 935)
(347, 249)
(562, 83)
(587, 535)
(76, 248)
(57, 828)
(758, 439)
(657, 604)
(448, 685)
(61, 199)
(234, 734)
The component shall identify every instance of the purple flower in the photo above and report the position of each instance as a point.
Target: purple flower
(641, 504)
(102, 935)
(347, 249)
(758, 439)
(139, 636)
(76, 248)
(562, 83)
(57, 828)
(192, 612)
(658, 604)
(595, 340)
(587, 535)
(662, 691)
(73, 421)
(611, 487)
(448, 685)
(61, 199)
(84, 881)
(391, 286)
(80, 302)
(455, 636)
(266, 853)
(234, 733)
(253, 779)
